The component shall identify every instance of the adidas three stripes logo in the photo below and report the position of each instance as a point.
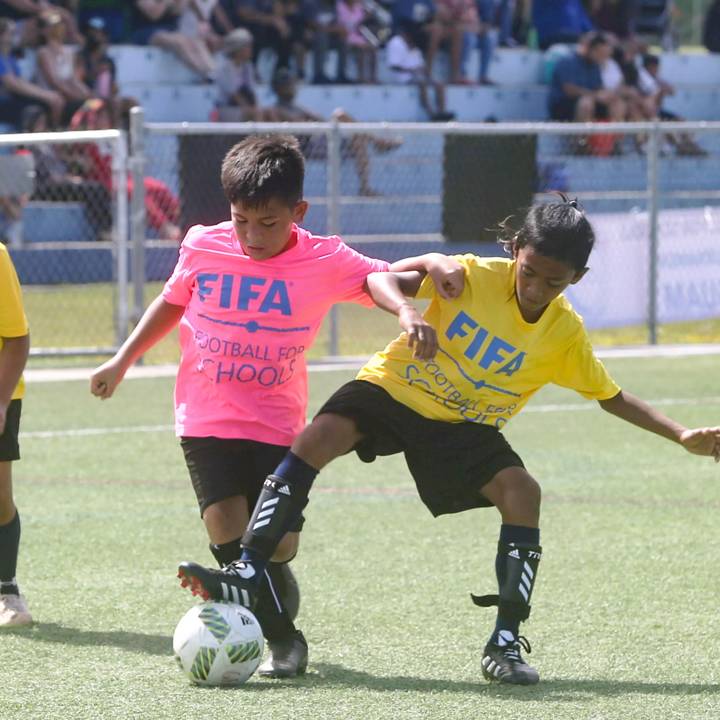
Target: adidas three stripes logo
(266, 512)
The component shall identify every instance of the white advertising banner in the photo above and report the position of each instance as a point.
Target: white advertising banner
(614, 292)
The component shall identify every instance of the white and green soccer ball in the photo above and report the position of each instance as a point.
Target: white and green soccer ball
(218, 644)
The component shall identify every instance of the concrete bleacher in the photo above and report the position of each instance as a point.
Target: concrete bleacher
(171, 92)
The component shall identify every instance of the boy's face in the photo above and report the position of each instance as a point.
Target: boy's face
(264, 231)
(539, 280)
(242, 55)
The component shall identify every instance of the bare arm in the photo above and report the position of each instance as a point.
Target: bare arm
(699, 441)
(446, 272)
(157, 321)
(28, 6)
(389, 290)
(19, 85)
(13, 356)
(154, 9)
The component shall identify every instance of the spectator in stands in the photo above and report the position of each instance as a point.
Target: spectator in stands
(26, 13)
(559, 21)
(293, 12)
(655, 89)
(711, 28)
(265, 21)
(315, 146)
(453, 21)
(96, 66)
(161, 206)
(326, 33)
(416, 15)
(577, 92)
(196, 22)
(407, 64)
(485, 41)
(58, 67)
(56, 181)
(155, 22)
(361, 41)
(614, 16)
(11, 212)
(237, 97)
(16, 93)
(113, 14)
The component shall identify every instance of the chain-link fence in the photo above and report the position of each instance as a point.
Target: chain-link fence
(652, 192)
(63, 214)
(394, 190)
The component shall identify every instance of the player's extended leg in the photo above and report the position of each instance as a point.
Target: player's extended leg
(13, 609)
(517, 496)
(281, 502)
(278, 601)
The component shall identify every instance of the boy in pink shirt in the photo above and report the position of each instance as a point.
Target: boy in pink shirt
(249, 296)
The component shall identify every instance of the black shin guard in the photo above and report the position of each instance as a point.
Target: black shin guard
(278, 507)
(520, 570)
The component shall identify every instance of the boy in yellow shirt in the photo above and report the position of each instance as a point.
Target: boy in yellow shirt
(510, 332)
(14, 349)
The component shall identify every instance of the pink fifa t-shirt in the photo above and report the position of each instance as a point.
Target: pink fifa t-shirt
(247, 326)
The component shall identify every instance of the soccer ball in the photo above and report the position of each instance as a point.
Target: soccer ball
(218, 644)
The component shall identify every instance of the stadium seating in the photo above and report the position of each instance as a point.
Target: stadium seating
(170, 92)
(410, 179)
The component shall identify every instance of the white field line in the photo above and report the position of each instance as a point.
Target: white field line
(548, 408)
(354, 363)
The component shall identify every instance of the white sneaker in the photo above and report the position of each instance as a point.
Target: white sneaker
(14, 611)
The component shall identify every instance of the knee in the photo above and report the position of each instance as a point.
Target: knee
(287, 548)
(327, 437)
(517, 495)
(7, 509)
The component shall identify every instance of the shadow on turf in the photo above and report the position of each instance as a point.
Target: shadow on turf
(329, 674)
(137, 642)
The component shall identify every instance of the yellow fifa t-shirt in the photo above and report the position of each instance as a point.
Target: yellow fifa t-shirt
(13, 322)
(490, 361)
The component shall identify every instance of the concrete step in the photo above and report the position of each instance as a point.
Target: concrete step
(55, 222)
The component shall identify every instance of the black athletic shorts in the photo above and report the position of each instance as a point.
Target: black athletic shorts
(9, 447)
(221, 468)
(449, 462)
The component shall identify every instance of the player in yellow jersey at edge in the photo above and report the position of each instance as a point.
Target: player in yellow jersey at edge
(14, 349)
(510, 332)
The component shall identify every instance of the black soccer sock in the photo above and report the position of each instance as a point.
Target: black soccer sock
(274, 619)
(516, 566)
(281, 501)
(270, 611)
(9, 545)
(225, 553)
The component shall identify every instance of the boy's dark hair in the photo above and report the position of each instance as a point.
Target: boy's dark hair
(263, 167)
(594, 39)
(650, 60)
(557, 230)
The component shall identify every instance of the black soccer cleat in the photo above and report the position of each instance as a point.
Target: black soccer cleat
(235, 583)
(288, 657)
(503, 662)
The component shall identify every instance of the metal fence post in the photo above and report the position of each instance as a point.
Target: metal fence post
(137, 210)
(333, 220)
(653, 169)
(120, 235)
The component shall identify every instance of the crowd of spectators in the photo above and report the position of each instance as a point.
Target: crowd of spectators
(601, 71)
(221, 40)
(603, 77)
